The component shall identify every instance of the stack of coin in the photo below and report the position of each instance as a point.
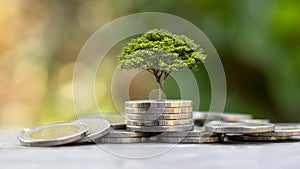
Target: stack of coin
(197, 135)
(159, 115)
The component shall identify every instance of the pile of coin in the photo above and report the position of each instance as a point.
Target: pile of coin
(168, 121)
(159, 115)
(241, 127)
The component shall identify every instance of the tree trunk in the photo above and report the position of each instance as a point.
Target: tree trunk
(159, 90)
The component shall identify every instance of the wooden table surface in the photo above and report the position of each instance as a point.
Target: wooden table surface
(227, 155)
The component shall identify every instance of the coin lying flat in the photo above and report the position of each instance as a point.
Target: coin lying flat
(191, 139)
(154, 139)
(238, 127)
(159, 128)
(159, 122)
(163, 116)
(158, 103)
(158, 110)
(220, 116)
(97, 127)
(281, 131)
(118, 126)
(54, 134)
(258, 138)
(122, 140)
(116, 120)
(196, 132)
(125, 134)
(288, 124)
(254, 121)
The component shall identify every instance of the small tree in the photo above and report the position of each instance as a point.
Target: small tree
(160, 52)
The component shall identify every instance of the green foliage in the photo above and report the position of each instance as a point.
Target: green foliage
(160, 50)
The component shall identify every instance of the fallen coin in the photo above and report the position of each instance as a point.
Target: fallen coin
(54, 134)
(97, 127)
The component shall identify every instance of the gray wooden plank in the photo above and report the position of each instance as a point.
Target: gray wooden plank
(274, 155)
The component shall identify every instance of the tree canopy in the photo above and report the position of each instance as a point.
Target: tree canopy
(160, 52)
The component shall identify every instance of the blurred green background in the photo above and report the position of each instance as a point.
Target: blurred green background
(258, 42)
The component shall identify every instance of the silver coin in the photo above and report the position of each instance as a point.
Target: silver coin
(54, 134)
(118, 126)
(220, 116)
(196, 132)
(158, 103)
(159, 128)
(97, 127)
(159, 122)
(238, 127)
(191, 139)
(122, 140)
(254, 121)
(154, 139)
(288, 124)
(163, 116)
(116, 120)
(281, 131)
(258, 138)
(158, 110)
(25, 130)
(126, 134)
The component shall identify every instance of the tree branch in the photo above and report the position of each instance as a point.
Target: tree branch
(150, 70)
(166, 75)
